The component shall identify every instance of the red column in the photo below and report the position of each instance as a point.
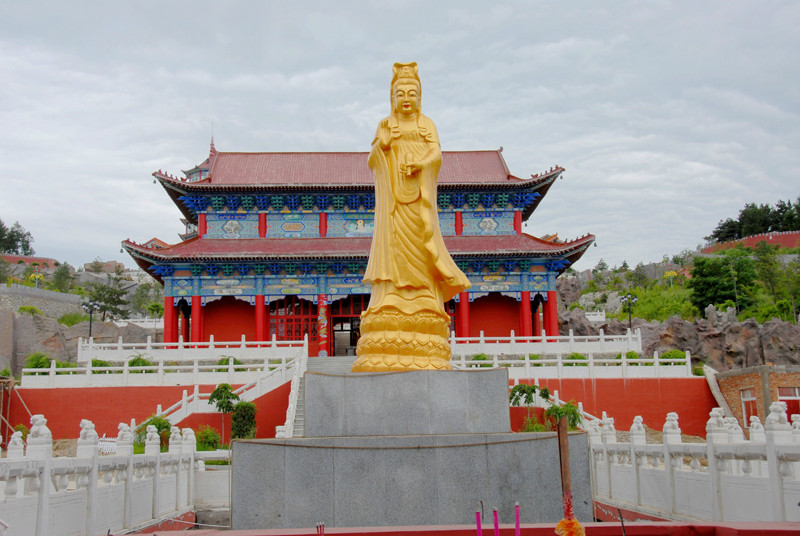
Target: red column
(322, 325)
(262, 224)
(551, 314)
(459, 225)
(197, 321)
(202, 228)
(323, 224)
(170, 327)
(525, 314)
(537, 322)
(518, 221)
(463, 315)
(261, 325)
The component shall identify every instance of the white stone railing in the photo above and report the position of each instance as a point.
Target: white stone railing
(564, 366)
(149, 323)
(595, 316)
(727, 478)
(196, 372)
(189, 351)
(287, 430)
(197, 402)
(96, 495)
(547, 344)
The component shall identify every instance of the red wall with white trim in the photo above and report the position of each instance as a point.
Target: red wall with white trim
(623, 399)
(106, 407)
(496, 315)
(228, 319)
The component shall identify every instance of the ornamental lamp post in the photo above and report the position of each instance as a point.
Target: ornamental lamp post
(90, 306)
(628, 301)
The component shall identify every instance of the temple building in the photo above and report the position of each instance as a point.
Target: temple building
(276, 245)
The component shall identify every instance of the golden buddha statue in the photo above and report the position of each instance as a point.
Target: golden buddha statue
(411, 273)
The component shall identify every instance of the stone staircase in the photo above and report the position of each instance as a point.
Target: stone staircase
(323, 365)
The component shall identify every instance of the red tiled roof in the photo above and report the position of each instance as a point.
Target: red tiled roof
(208, 249)
(321, 169)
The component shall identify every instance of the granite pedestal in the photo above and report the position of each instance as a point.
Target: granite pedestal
(413, 448)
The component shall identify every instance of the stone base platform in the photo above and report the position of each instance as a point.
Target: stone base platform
(404, 480)
(406, 403)
(408, 448)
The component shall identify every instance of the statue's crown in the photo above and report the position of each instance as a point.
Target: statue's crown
(407, 71)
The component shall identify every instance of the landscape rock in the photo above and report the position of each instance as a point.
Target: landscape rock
(569, 290)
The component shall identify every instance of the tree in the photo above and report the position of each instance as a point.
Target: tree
(223, 398)
(726, 278)
(110, 296)
(769, 267)
(638, 277)
(15, 240)
(601, 266)
(755, 219)
(726, 230)
(243, 420)
(144, 296)
(62, 278)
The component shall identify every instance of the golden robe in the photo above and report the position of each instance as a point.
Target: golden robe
(409, 267)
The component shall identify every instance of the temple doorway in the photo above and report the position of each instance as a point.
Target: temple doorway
(345, 315)
(292, 318)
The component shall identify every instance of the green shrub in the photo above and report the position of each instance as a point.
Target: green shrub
(575, 360)
(29, 310)
(532, 425)
(37, 360)
(697, 370)
(217, 462)
(569, 410)
(140, 361)
(70, 319)
(223, 364)
(481, 357)
(207, 438)
(162, 425)
(243, 420)
(673, 354)
(22, 428)
(6, 373)
(99, 363)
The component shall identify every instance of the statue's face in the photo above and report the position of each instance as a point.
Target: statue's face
(406, 99)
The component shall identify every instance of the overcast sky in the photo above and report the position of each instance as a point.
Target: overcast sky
(668, 116)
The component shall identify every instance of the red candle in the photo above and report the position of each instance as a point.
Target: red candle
(516, 519)
(478, 523)
(496, 523)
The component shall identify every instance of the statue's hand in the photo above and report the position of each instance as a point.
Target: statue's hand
(410, 168)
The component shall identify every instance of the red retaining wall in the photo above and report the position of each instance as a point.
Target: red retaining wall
(106, 407)
(623, 399)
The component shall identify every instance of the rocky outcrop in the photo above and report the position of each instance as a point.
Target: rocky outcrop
(720, 343)
(23, 334)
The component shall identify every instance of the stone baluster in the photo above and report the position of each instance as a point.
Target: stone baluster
(124, 440)
(125, 448)
(175, 440)
(671, 436)
(40, 447)
(16, 446)
(152, 440)
(189, 447)
(638, 437)
(778, 432)
(609, 434)
(716, 433)
(89, 447)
